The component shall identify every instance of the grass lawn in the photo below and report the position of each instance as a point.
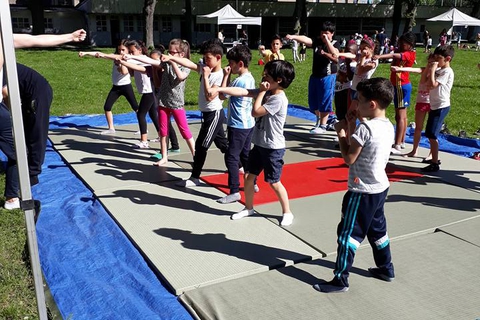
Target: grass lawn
(81, 86)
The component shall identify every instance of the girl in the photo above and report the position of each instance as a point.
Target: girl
(172, 92)
(143, 82)
(122, 85)
(422, 106)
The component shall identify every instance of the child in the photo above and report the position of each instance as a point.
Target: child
(405, 57)
(295, 51)
(274, 54)
(321, 86)
(363, 204)
(303, 52)
(213, 116)
(441, 82)
(122, 84)
(270, 111)
(239, 121)
(422, 106)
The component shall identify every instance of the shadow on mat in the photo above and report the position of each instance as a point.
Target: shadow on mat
(218, 242)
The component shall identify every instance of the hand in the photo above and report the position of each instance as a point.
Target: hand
(206, 72)
(341, 126)
(213, 91)
(352, 115)
(289, 37)
(395, 68)
(165, 58)
(79, 35)
(325, 38)
(375, 57)
(126, 56)
(81, 54)
(264, 86)
(434, 64)
(261, 47)
(227, 70)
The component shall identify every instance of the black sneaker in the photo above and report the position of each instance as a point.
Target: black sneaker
(334, 286)
(379, 274)
(432, 167)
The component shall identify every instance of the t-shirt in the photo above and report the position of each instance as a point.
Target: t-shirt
(367, 174)
(322, 66)
(30, 84)
(407, 60)
(268, 130)
(423, 94)
(172, 90)
(440, 95)
(119, 79)
(367, 75)
(215, 78)
(240, 108)
(270, 56)
(143, 81)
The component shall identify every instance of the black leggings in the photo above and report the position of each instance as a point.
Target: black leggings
(116, 92)
(147, 105)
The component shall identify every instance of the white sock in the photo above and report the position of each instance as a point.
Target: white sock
(287, 219)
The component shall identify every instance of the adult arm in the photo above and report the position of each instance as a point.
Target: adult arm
(302, 39)
(21, 40)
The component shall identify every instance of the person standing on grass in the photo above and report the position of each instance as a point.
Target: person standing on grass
(321, 86)
(274, 53)
(33, 98)
(441, 82)
(405, 57)
(270, 112)
(171, 96)
(122, 84)
(363, 215)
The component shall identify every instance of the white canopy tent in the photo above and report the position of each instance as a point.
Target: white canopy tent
(228, 15)
(458, 18)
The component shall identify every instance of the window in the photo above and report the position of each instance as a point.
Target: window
(156, 23)
(141, 23)
(20, 23)
(166, 24)
(129, 23)
(48, 23)
(101, 22)
(201, 27)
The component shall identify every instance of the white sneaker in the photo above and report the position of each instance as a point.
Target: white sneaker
(230, 198)
(256, 189)
(396, 149)
(402, 146)
(11, 205)
(138, 133)
(287, 219)
(319, 130)
(190, 182)
(108, 132)
(141, 145)
(242, 214)
(241, 170)
(157, 139)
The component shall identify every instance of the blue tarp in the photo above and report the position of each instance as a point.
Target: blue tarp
(92, 269)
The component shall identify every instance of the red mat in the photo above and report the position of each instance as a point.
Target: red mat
(306, 179)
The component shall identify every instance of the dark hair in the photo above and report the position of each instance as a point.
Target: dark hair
(213, 46)
(160, 47)
(276, 37)
(377, 89)
(137, 44)
(369, 42)
(328, 26)
(280, 69)
(240, 53)
(445, 51)
(122, 42)
(159, 52)
(409, 37)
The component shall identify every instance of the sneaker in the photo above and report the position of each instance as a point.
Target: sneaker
(241, 170)
(396, 149)
(230, 198)
(138, 133)
(319, 130)
(287, 219)
(242, 214)
(402, 146)
(190, 182)
(425, 160)
(432, 167)
(142, 145)
(108, 132)
(334, 286)
(379, 274)
(174, 150)
(256, 189)
(11, 205)
(157, 139)
(157, 156)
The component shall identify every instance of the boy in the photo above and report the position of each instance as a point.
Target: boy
(270, 111)
(441, 81)
(401, 82)
(239, 120)
(210, 105)
(321, 86)
(363, 204)
(273, 54)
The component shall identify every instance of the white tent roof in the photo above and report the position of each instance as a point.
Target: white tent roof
(457, 18)
(228, 15)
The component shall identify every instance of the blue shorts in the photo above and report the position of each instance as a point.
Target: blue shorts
(268, 160)
(435, 121)
(320, 93)
(402, 100)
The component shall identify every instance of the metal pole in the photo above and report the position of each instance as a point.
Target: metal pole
(27, 203)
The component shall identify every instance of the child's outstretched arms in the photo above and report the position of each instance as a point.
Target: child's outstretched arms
(82, 54)
(143, 59)
(181, 61)
(406, 69)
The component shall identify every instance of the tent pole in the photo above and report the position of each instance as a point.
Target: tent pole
(27, 203)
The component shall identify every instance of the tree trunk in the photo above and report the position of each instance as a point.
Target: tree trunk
(148, 11)
(38, 17)
(300, 15)
(396, 19)
(189, 22)
(410, 14)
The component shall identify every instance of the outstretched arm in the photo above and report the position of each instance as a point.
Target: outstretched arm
(143, 59)
(303, 39)
(21, 40)
(181, 61)
(406, 69)
(95, 54)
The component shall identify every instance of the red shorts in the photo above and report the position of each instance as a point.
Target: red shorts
(421, 106)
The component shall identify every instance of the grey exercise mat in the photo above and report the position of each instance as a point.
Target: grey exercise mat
(467, 230)
(436, 278)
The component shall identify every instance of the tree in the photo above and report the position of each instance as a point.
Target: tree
(396, 18)
(37, 8)
(410, 14)
(300, 15)
(148, 11)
